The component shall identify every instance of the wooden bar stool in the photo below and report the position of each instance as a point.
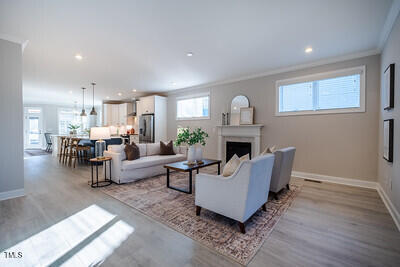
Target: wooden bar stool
(61, 149)
(67, 150)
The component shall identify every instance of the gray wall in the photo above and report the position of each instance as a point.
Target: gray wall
(389, 173)
(343, 145)
(11, 134)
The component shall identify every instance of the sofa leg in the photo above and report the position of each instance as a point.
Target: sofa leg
(198, 209)
(242, 228)
(287, 186)
(264, 208)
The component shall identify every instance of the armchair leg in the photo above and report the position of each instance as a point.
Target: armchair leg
(287, 186)
(264, 207)
(198, 209)
(242, 228)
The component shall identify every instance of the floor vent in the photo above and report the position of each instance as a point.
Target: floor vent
(313, 181)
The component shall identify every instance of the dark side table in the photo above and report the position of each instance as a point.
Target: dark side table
(101, 161)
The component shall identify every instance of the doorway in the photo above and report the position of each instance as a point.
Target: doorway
(33, 128)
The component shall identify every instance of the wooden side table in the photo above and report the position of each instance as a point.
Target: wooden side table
(97, 161)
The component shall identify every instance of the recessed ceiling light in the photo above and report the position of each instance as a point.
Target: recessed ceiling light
(308, 50)
(173, 83)
(78, 57)
(134, 90)
(189, 54)
(120, 94)
(107, 97)
(70, 92)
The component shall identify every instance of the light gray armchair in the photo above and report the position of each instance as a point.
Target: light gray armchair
(240, 195)
(282, 170)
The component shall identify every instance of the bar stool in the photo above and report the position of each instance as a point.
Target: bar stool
(67, 149)
(73, 151)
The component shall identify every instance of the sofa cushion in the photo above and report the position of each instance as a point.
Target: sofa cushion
(142, 149)
(153, 149)
(132, 152)
(167, 149)
(150, 161)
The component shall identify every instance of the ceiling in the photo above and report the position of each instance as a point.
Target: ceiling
(143, 45)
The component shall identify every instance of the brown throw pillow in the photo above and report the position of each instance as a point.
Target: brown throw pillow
(132, 151)
(167, 149)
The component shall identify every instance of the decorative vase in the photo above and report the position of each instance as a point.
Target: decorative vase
(191, 155)
(199, 153)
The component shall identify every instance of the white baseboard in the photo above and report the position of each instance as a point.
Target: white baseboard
(355, 182)
(389, 205)
(336, 180)
(12, 194)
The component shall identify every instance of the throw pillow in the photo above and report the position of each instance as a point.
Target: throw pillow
(167, 149)
(231, 166)
(132, 151)
(268, 150)
(245, 157)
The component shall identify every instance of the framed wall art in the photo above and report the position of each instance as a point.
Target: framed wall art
(246, 115)
(388, 88)
(388, 140)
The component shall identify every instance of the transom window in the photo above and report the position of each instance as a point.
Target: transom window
(193, 107)
(332, 92)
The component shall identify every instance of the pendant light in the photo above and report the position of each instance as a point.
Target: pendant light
(83, 114)
(93, 112)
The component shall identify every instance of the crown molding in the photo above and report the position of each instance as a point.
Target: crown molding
(14, 39)
(282, 70)
(390, 20)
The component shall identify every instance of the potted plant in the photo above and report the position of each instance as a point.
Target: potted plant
(73, 128)
(195, 140)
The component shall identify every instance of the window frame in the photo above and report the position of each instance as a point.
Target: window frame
(321, 76)
(199, 95)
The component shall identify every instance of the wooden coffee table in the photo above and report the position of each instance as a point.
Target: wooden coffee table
(182, 167)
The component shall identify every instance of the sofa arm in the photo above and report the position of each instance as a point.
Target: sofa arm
(116, 164)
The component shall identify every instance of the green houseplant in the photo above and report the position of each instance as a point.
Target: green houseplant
(73, 128)
(193, 139)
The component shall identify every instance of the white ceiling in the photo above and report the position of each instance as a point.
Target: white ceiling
(143, 44)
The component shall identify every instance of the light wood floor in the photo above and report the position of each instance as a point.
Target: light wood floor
(327, 224)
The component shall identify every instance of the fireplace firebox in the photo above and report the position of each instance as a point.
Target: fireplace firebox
(238, 148)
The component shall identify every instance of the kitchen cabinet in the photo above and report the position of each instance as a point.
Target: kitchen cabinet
(116, 114)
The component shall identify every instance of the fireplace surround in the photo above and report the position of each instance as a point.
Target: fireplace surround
(239, 133)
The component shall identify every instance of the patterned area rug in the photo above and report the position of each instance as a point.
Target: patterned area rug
(177, 210)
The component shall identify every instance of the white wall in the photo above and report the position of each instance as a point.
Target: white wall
(341, 145)
(389, 173)
(11, 119)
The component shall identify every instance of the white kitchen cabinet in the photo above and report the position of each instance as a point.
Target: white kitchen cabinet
(134, 138)
(116, 114)
(146, 104)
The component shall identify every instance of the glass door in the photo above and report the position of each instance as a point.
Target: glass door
(33, 128)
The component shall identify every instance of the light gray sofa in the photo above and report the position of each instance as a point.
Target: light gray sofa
(240, 195)
(282, 170)
(149, 164)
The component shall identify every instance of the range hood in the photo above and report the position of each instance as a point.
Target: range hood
(134, 108)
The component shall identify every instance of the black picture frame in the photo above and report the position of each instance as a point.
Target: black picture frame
(388, 128)
(388, 87)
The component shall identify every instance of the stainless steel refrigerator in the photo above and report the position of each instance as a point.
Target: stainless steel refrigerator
(146, 128)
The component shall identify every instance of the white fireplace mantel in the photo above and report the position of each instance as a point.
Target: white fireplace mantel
(249, 132)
